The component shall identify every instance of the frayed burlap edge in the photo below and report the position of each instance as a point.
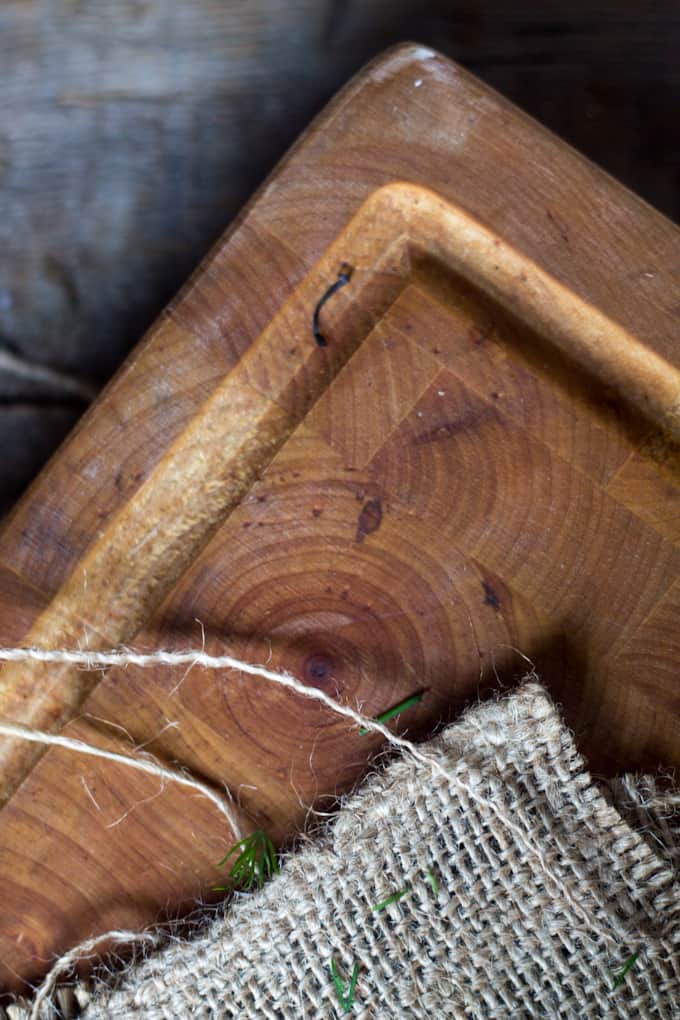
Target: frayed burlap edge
(531, 917)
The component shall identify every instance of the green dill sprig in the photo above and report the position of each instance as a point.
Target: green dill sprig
(396, 710)
(390, 899)
(434, 884)
(620, 977)
(256, 861)
(345, 994)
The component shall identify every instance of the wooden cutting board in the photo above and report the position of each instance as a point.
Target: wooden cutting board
(475, 475)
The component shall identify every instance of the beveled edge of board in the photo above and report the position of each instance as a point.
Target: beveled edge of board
(255, 399)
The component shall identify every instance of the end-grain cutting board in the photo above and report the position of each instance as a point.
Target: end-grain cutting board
(478, 468)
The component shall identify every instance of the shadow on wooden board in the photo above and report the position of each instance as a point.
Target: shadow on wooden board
(134, 133)
(477, 474)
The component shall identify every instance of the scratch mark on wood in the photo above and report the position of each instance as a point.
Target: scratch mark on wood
(448, 429)
(370, 519)
(490, 596)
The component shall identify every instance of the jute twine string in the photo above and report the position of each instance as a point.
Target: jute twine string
(147, 764)
(160, 658)
(82, 951)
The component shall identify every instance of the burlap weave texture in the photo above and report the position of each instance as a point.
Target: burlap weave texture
(527, 890)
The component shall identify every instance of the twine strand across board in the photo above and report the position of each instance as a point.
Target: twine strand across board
(471, 446)
(617, 934)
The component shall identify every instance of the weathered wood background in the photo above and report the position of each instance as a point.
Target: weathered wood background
(132, 131)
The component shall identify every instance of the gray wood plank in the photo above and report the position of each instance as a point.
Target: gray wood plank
(132, 131)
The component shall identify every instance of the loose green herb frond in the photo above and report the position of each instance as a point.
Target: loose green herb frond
(256, 861)
(396, 710)
(345, 995)
(390, 899)
(433, 882)
(621, 976)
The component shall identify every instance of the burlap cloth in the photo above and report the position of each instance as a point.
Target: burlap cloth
(529, 887)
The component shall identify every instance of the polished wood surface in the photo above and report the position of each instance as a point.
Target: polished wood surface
(479, 470)
(133, 132)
